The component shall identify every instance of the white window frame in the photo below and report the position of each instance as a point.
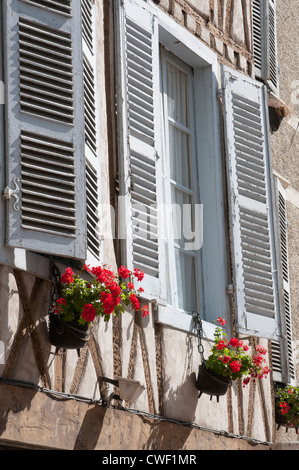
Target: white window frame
(214, 277)
(214, 299)
(170, 185)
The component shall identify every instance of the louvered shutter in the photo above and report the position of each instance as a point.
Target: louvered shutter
(282, 350)
(254, 264)
(44, 126)
(90, 128)
(264, 42)
(139, 156)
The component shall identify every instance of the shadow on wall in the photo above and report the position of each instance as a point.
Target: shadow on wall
(181, 405)
(91, 427)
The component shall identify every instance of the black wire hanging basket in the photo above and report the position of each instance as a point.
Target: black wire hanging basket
(64, 335)
(211, 383)
(208, 381)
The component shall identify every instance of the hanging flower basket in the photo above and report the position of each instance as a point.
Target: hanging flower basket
(211, 383)
(71, 335)
(287, 408)
(78, 301)
(227, 362)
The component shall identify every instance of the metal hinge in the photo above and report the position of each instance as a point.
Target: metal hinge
(9, 193)
(220, 93)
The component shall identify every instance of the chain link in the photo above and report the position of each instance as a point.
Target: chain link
(56, 287)
(199, 330)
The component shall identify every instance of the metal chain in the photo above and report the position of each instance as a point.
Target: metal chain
(56, 287)
(199, 330)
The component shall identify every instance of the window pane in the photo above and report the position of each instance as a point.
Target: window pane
(183, 223)
(186, 276)
(177, 93)
(179, 149)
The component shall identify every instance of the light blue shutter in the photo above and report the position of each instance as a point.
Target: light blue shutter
(265, 42)
(44, 127)
(91, 129)
(282, 350)
(250, 197)
(139, 152)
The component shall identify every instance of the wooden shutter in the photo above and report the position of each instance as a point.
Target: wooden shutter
(139, 155)
(253, 245)
(264, 42)
(90, 128)
(44, 126)
(282, 350)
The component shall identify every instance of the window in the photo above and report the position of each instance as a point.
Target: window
(180, 191)
(159, 67)
(171, 98)
(264, 42)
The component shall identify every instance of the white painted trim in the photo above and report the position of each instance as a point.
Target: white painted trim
(181, 320)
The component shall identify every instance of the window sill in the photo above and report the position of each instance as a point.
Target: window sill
(182, 320)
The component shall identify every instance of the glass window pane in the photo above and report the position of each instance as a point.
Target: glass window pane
(177, 93)
(186, 284)
(179, 149)
(182, 212)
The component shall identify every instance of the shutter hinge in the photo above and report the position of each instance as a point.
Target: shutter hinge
(220, 93)
(132, 185)
(230, 289)
(9, 193)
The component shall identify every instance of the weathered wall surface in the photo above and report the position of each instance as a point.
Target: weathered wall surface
(131, 347)
(285, 153)
(224, 25)
(31, 418)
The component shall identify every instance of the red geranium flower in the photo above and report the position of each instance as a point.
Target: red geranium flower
(138, 274)
(134, 302)
(67, 277)
(124, 272)
(234, 342)
(235, 366)
(89, 312)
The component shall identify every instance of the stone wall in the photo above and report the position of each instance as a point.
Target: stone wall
(285, 154)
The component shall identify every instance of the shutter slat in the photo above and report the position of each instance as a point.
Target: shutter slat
(41, 65)
(61, 7)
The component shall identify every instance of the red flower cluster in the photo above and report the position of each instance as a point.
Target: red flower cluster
(124, 272)
(284, 408)
(229, 358)
(88, 313)
(108, 302)
(235, 366)
(68, 276)
(107, 293)
(134, 302)
(138, 274)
